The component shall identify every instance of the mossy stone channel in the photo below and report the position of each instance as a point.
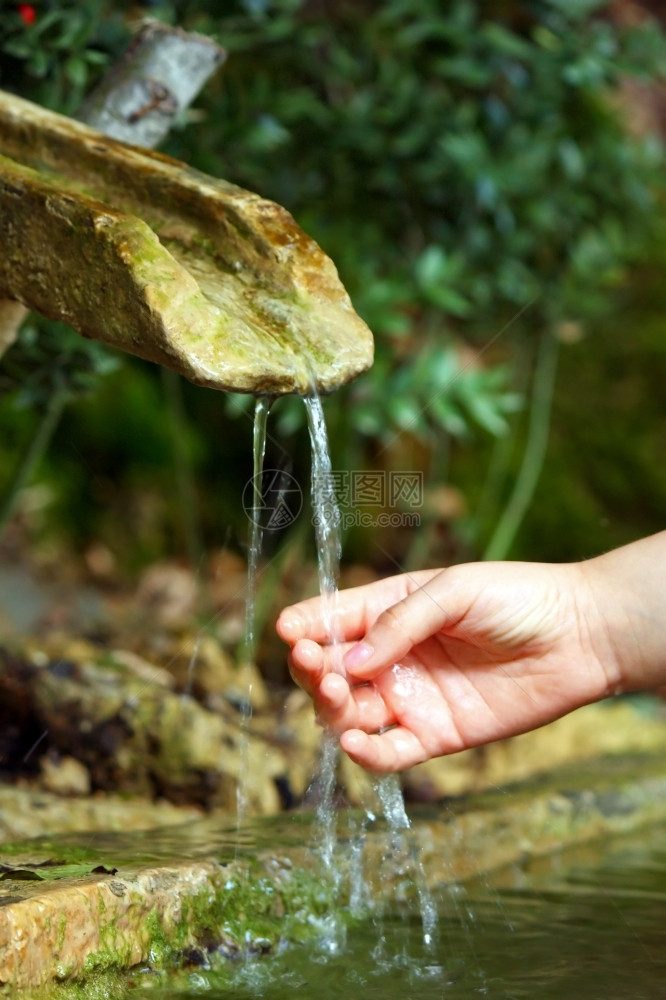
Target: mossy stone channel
(74, 913)
(153, 257)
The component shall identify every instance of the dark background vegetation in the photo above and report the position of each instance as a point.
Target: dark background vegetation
(489, 179)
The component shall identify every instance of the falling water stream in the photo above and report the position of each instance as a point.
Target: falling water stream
(261, 410)
(325, 516)
(326, 522)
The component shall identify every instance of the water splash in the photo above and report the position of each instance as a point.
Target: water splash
(389, 792)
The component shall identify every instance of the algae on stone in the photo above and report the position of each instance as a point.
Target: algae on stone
(154, 915)
(153, 257)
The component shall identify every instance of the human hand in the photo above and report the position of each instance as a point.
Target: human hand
(452, 659)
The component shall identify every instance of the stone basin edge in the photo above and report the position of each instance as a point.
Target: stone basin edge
(58, 937)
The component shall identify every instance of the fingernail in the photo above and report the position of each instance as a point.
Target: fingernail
(357, 655)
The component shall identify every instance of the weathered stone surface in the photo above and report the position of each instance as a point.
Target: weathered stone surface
(58, 926)
(26, 813)
(56, 931)
(136, 101)
(160, 260)
(64, 776)
(132, 732)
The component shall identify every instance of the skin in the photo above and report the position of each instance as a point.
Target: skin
(434, 662)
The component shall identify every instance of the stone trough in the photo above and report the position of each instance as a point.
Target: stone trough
(72, 909)
(150, 256)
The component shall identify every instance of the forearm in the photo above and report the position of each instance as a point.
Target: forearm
(629, 591)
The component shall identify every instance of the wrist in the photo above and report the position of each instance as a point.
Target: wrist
(628, 621)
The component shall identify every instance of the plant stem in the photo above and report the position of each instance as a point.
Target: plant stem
(422, 541)
(535, 451)
(33, 456)
(490, 501)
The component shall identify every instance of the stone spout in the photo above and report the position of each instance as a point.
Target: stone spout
(146, 254)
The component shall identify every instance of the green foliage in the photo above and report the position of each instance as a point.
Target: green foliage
(465, 165)
(604, 483)
(49, 357)
(457, 161)
(55, 53)
(48, 367)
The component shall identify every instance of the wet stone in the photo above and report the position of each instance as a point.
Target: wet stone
(221, 286)
(78, 917)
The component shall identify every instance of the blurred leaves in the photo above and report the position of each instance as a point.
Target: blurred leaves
(54, 56)
(457, 162)
(50, 357)
(466, 166)
(436, 278)
(438, 392)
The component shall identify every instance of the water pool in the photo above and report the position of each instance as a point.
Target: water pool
(584, 925)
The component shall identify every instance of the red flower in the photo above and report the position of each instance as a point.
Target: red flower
(27, 13)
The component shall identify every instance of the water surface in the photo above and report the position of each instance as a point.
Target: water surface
(589, 925)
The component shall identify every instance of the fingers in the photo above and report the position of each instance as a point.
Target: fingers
(340, 707)
(337, 705)
(437, 604)
(309, 663)
(382, 753)
(306, 665)
(351, 612)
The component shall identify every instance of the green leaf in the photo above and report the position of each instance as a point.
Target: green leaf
(52, 870)
(506, 42)
(76, 71)
(447, 415)
(18, 49)
(485, 412)
(431, 266)
(406, 413)
(21, 875)
(448, 299)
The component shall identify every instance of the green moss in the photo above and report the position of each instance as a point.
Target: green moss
(244, 908)
(62, 928)
(250, 909)
(104, 985)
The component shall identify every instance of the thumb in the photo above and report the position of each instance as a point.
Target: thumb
(438, 605)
